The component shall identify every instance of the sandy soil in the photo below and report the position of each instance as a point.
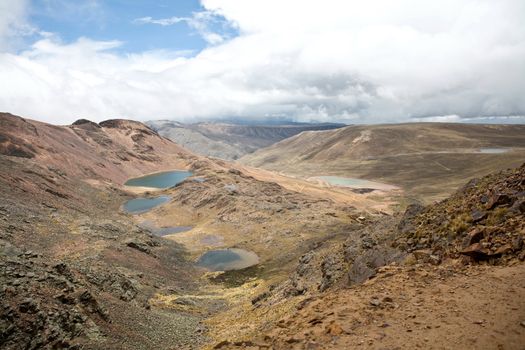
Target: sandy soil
(423, 307)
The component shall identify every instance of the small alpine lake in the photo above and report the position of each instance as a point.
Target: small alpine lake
(142, 205)
(228, 259)
(493, 150)
(164, 230)
(164, 179)
(354, 183)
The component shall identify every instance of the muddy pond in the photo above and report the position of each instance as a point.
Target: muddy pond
(164, 230)
(354, 182)
(164, 179)
(228, 259)
(142, 205)
(493, 150)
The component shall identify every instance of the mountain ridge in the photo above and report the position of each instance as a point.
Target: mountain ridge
(426, 159)
(229, 140)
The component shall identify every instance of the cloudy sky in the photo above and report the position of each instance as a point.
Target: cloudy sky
(327, 60)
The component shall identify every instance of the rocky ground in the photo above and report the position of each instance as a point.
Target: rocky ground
(76, 273)
(417, 307)
(485, 220)
(337, 269)
(411, 281)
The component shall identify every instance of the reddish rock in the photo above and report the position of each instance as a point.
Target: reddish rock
(505, 249)
(473, 236)
(334, 329)
(476, 251)
(498, 199)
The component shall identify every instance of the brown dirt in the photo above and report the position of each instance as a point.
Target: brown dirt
(422, 307)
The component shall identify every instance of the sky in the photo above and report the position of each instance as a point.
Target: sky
(349, 61)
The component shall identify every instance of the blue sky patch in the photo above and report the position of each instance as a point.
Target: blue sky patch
(120, 20)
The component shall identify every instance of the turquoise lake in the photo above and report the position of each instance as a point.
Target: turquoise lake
(349, 182)
(493, 150)
(228, 259)
(142, 205)
(160, 180)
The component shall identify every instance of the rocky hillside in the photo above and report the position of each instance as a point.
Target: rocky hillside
(484, 220)
(335, 270)
(428, 160)
(230, 141)
(113, 150)
(75, 271)
(451, 272)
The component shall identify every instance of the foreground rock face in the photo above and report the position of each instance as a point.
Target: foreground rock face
(409, 274)
(485, 220)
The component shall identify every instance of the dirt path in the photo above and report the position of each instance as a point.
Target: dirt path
(412, 308)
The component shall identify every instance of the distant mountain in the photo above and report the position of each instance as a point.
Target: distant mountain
(113, 150)
(231, 140)
(429, 159)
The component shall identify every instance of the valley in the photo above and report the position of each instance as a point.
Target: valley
(112, 236)
(230, 140)
(427, 160)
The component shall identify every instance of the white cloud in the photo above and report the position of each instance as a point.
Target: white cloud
(200, 21)
(13, 23)
(162, 21)
(377, 61)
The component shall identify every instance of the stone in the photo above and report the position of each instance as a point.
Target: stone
(478, 215)
(221, 344)
(260, 297)
(375, 302)
(65, 299)
(498, 199)
(517, 243)
(422, 255)
(330, 269)
(518, 206)
(473, 236)
(334, 329)
(476, 251)
(141, 247)
(28, 305)
(405, 224)
(505, 249)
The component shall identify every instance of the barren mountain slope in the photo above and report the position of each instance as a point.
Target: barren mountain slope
(77, 271)
(455, 286)
(114, 150)
(425, 159)
(230, 141)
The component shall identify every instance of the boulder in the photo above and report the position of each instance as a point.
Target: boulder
(478, 215)
(473, 236)
(497, 200)
(476, 251)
